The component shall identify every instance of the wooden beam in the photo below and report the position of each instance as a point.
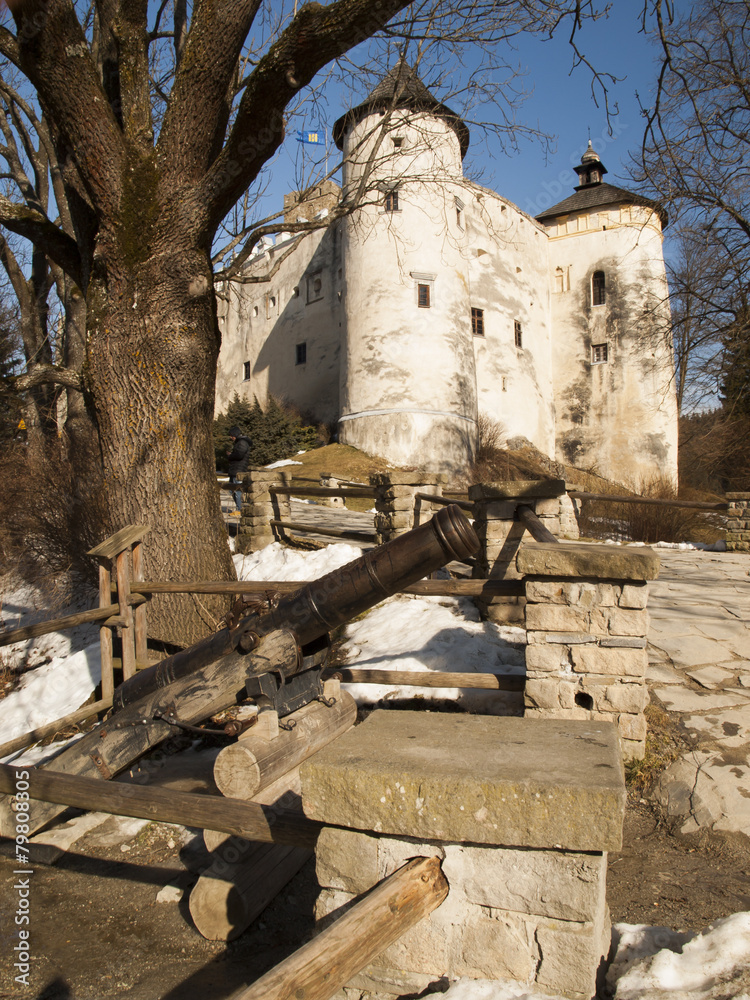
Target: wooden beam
(432, 679)
(317, 970)
(689, 504)
(534, 525)
(105, 634)
(445, 501)
(316, 529)
(121, 539)
(245, 819)
(37, 735)
(68, 621)
(368, 492)
(437, 588)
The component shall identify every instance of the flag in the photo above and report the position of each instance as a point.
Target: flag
(309, 138)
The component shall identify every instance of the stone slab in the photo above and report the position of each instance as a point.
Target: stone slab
(704, 791)
(731, 726)
(518, 488)
(679, 699)
(710, 677)
(691, 650)
(479, 779)
(577, 559)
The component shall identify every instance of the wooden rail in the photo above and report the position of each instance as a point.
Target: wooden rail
(358, 536)
(690, 504)
(325, 491)
(243, 819)
(37, 735)
(109, 613)
(432, 588)
(430, 678)
(445, 501)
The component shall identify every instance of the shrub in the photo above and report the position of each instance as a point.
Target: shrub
(275, 433)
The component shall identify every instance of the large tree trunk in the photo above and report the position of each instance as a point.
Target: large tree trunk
(153, 344)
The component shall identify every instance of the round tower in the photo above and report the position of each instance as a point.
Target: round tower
(408, 381)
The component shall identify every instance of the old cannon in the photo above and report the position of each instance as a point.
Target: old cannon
(270, 655)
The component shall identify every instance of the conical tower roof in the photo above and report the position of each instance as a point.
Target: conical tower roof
(401, 88)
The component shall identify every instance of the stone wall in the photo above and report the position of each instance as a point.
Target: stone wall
(587, 622)
(397, 508)
(738, 529)
(260, 506)
(522, 844)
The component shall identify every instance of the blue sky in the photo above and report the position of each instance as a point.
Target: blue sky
(560, 104)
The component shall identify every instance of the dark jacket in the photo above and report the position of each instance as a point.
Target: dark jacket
(239, 456)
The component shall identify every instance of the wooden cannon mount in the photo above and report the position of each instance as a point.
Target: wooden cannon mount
(258, 835)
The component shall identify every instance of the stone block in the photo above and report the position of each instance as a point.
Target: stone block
(556, 618)
(542, 693)
(552, 524)
(521, 782)
(547, 508)
(346, 860)
(623, 641)
(625, 621)
(634, 595)
(633, 749)
(399, 504)
(560, 884)
(407, 478)
(606, 562)
(583, 595)
(628, 698)
(570, 955)
(394, 852)
(498, 946)
(632, 727)
(504, 510)
(561, 638)
(617, 661)
(547, 658)
(330, 905)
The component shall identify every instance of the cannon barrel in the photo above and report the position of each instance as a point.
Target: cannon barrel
(325, 603)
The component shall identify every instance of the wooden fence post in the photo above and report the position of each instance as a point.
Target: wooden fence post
(123, 554)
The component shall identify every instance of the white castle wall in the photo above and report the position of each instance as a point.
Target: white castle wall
(618, 418)
(408, 381)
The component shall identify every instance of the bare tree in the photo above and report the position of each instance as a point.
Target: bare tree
(158, 131)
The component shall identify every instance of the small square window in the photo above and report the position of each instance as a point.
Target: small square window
(398, 141)
(599, 354)
(246, 371)
(459, 213)
(423, 296)
(390, 202)
(477, 322)
(301, 353)
(518, 333)
(315, 286)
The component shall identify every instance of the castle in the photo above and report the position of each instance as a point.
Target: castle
(438, 300)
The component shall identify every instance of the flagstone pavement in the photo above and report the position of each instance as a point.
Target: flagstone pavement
(699, 671)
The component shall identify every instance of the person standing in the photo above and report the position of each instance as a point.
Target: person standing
(239, 458)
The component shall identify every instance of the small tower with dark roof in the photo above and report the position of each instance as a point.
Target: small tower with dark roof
(590, 170)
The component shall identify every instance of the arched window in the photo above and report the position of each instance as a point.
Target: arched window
(598, 288)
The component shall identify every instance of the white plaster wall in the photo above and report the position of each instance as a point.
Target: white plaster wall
(263, 323)
(408, 382)
(508, 276)
(618, 419)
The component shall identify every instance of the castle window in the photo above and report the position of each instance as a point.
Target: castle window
(246, 371)
(459, 213)
(518, 333)
(599, 354)
(295, 292)
(255, 310)
(562, 279)
(423, 288)
(477, 322)
(398, 141)
(301, 353)
(271, 310)
(598, 289)
(390, 202)
(315, 286)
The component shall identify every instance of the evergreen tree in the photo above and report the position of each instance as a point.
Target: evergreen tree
(275, 434)
(735, 383)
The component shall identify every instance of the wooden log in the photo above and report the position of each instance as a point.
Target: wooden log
(438, 588)
(368, 492)
(433, 679)
(251, 763)
(67, 621)
(316, 529)
(114, 745)
(689, 504)
(245, 819)
(37, 735)
(141, 630)
(123, 563)
(105, 635)
(231, 894)
(534, 525)
(187, 771)
(318, 969)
